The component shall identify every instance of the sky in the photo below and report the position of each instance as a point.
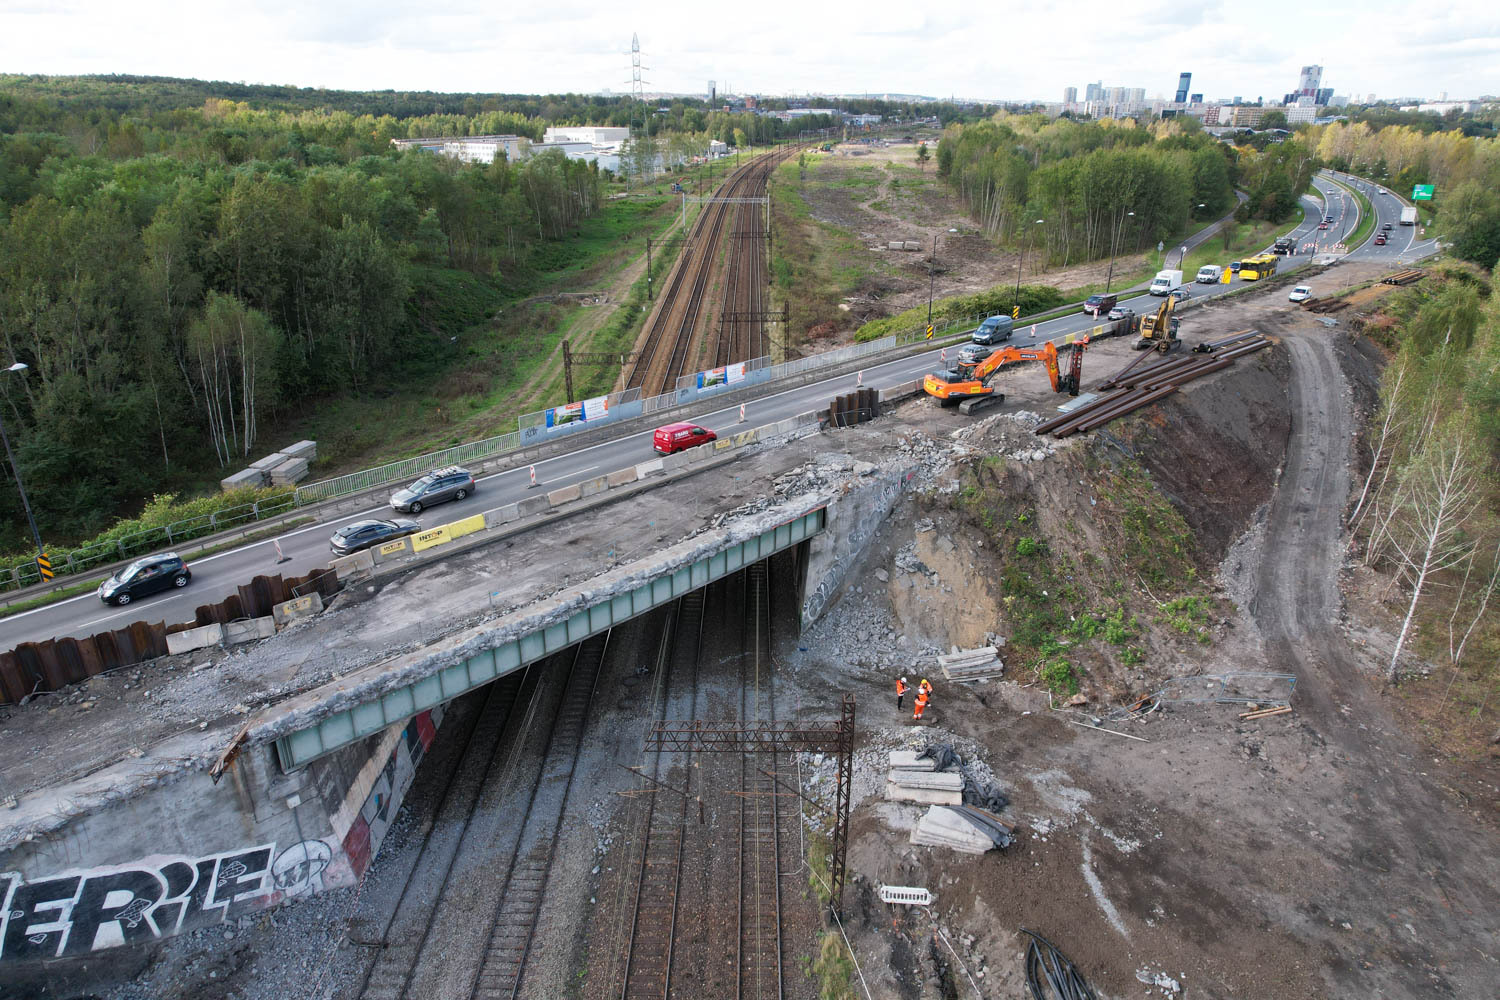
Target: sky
(1001, 50)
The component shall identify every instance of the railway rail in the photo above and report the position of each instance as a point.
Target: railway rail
(671, 342)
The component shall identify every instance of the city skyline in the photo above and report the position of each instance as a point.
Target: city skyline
(884, 48)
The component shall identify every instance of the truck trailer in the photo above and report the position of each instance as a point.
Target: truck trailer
(1409, 216)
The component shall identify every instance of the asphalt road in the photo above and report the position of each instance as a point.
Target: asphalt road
(217, 576)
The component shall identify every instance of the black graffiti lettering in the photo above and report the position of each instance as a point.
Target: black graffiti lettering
(38, 918)
(109, 910)
(241, 878)
(180, 877)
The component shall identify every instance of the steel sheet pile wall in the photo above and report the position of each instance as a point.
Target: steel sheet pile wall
(53, 664)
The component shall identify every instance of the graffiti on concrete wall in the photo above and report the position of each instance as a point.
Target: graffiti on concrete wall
(368, 829)
(79, 912)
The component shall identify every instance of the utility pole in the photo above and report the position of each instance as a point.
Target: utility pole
(931, 262)
(648, 288)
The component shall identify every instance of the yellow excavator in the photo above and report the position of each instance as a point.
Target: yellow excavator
(1159, 329)
(968, 383)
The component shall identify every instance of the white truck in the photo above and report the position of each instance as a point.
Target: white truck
(1165, 281)
(1208, 274)
(1409, 216)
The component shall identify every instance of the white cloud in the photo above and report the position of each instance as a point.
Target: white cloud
(990, 51)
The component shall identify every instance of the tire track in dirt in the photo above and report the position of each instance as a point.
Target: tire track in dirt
(1412, 856)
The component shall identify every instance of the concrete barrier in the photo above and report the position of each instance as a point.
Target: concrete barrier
(901, 391)
(301, 607)
(622, 477)
(430, 538)
(466, 526)
(532, 505)
(195, 638)
(651, 468)
(391, 550)
(502, 515)
(674, 462)
(696, 456)
(250, 629)
(565, 495)
(358, 564)
(593, 487)
(745, 437)
(722, 444)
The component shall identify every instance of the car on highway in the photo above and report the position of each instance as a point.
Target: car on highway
(362, 535)
(452, 483)
(1328, 218)
(675, 437)
(145, 577)
(1180, 293)
(1300, 294)
(1098, 305)
(1234, 267)
(1322, 225)
(1386, 226)
(1380, 239)
(1121, 312)
(993, 330)
(972, 354)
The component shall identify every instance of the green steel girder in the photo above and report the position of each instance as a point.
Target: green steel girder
(344, 727)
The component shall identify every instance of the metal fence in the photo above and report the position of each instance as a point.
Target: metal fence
(528, 426)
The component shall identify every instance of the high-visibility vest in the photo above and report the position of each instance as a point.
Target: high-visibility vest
(924, 688)
(921, 699)
(900, 686)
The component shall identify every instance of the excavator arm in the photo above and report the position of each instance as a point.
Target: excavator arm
(966, 382)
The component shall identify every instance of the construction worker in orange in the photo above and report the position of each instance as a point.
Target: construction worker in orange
(925, 688)
(921, 704)
(900, 692)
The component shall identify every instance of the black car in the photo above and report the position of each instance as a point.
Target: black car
(438, 485)
(145, 576)
(362, 535)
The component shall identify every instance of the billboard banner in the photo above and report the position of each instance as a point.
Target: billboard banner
(572, 413)
(727, 375)
(1421, 192)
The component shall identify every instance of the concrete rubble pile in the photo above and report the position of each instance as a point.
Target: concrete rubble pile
(971, 664)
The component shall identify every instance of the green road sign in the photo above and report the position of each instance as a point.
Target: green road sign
(1421, 192)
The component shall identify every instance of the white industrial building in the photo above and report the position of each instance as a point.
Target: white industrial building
(469, 148)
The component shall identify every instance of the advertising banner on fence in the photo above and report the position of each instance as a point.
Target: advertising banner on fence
(572, 413)
(727, 375)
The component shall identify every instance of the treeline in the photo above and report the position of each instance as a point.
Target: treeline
(194, 270)
(1465, 170)
(1426, 510)
(1097, 186)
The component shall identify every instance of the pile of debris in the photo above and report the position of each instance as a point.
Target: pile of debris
(962, 806)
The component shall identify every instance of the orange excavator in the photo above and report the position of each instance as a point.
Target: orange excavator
(968, 384)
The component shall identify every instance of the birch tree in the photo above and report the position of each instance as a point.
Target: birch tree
(231, 347)
(1431, 532)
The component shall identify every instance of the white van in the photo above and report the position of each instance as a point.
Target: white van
(1208, 274)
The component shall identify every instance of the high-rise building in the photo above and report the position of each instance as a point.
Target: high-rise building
(1308, 81)
(712, 92)
(1323, 96)
(1183, 83)
(1137, 95)
(1195, 98)
(1070, 95)
(1094, 91)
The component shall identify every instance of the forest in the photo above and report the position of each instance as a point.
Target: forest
(180, 262)
(1101, 187)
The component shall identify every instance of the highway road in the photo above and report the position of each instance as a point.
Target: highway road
(217, 576)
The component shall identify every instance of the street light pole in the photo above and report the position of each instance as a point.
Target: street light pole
(16, 470)
(931, 263)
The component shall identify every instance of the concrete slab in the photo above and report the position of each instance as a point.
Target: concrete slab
(501, 515)
(249, 629)
(622, 477)
(922, 796)
(942, 827)
(195, 638)
(301, 607)
(593, 487)
(359, 564)
(243, 478)
(269, 462)
(302, 449)
(950, 781)
(532, 505)
(907, 760)
(651, 468)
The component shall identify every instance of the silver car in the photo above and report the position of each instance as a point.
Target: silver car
(438, 485)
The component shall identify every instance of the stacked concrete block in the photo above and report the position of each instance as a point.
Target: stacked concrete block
(243, 478)
(907, 760)
(972, 664)
(268, 463)
(944, 827)
(302, 449)
(292, 470)
(924, 787)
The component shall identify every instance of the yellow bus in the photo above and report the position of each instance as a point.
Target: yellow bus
(1257, 267)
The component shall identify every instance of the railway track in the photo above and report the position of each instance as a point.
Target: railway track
(658, 878)
(405, 932)
(513, 927)
(672, 333)
(758, 962)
